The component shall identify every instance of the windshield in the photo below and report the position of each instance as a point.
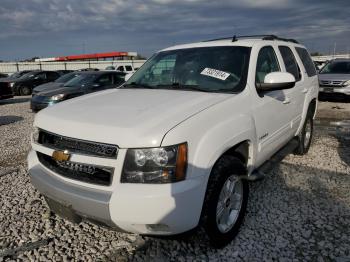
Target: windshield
(16, 75)
(81, 80)
(336, 67)
(28, 75)
(208, 69)
(65, 78)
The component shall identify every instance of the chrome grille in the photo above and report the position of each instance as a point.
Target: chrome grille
(334, 83)
(78, 171)
(73, 145)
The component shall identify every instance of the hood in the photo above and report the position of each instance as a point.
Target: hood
(59, 90)
(47, 86)
(129, 118)
(9, 80)
(334, 77)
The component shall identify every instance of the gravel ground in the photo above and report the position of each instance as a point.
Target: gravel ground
(300, 212)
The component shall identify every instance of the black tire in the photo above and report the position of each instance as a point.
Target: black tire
(225, 167)
(304, 140)
(25, 91)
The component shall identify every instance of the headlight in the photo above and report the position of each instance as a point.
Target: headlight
(346, 83)
(57, 97)
(155, 165)
(35, 135)
(12, 84)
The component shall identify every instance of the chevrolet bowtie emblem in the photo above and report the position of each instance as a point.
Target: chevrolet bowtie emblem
(61, 155)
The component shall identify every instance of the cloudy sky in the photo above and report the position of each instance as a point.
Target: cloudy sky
(48, 28)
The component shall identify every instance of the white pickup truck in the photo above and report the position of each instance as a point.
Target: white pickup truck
(173, 149)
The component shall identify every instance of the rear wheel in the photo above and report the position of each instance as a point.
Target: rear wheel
(305, 136)
(25, 91)
(225, 202)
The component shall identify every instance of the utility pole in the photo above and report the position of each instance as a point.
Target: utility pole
(335, 46)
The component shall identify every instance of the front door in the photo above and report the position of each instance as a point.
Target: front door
(269, 108)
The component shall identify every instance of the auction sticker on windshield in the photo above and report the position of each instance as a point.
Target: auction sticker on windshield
(215, 73)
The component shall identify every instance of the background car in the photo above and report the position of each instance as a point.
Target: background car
(5, 90)
(89, 69)
(121, 68)
(84, 83)
(334, 78)
(63, 72)
(55, 84)
(6, 84)
(25, 84)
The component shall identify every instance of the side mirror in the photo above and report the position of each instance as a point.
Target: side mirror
(277, 81)
(127, 76)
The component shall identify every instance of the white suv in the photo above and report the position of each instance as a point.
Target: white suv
(174, 147)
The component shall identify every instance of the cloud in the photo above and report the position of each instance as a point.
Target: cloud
(147, 25)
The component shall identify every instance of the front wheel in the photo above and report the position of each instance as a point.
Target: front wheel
(305, 136)
(25, 91)
(225, 202)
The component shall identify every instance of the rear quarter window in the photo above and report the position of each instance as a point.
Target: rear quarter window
(307, 61)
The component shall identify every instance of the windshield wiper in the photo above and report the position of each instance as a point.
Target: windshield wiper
(136, 85)
(184, 87)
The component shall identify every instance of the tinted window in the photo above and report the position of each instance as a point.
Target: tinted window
(40, 76)
(267, 63)
(119, 78)
(128, 68)
(52, 75)
(212, 69)
(105, 80)
(336, 67)
(290, 62)
(120, 68)
(307, 61)
(65, 78)
(81, 80)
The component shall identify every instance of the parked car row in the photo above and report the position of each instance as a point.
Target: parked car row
(73, 85)
(37, 81)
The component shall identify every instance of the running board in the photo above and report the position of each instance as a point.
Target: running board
(261, 172)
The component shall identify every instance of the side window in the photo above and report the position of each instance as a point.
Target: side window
(267, 63)
(120, 68)
(290, 62)
(52, 75)
(128, 68)
(118, 78)
(307, 61)
(41, 76)
(105, 80)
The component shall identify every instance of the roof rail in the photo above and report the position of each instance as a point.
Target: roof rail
(263, 37)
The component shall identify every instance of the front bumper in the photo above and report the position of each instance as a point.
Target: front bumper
(335, 90)
(165, 209)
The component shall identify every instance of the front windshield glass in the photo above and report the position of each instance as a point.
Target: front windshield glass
(209, 69)
(336, 67)
(28, 75)
(15, 75)
(81, 80)
(65, 78)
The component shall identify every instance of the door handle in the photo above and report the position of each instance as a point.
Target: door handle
(286, 101)
(305, 90)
